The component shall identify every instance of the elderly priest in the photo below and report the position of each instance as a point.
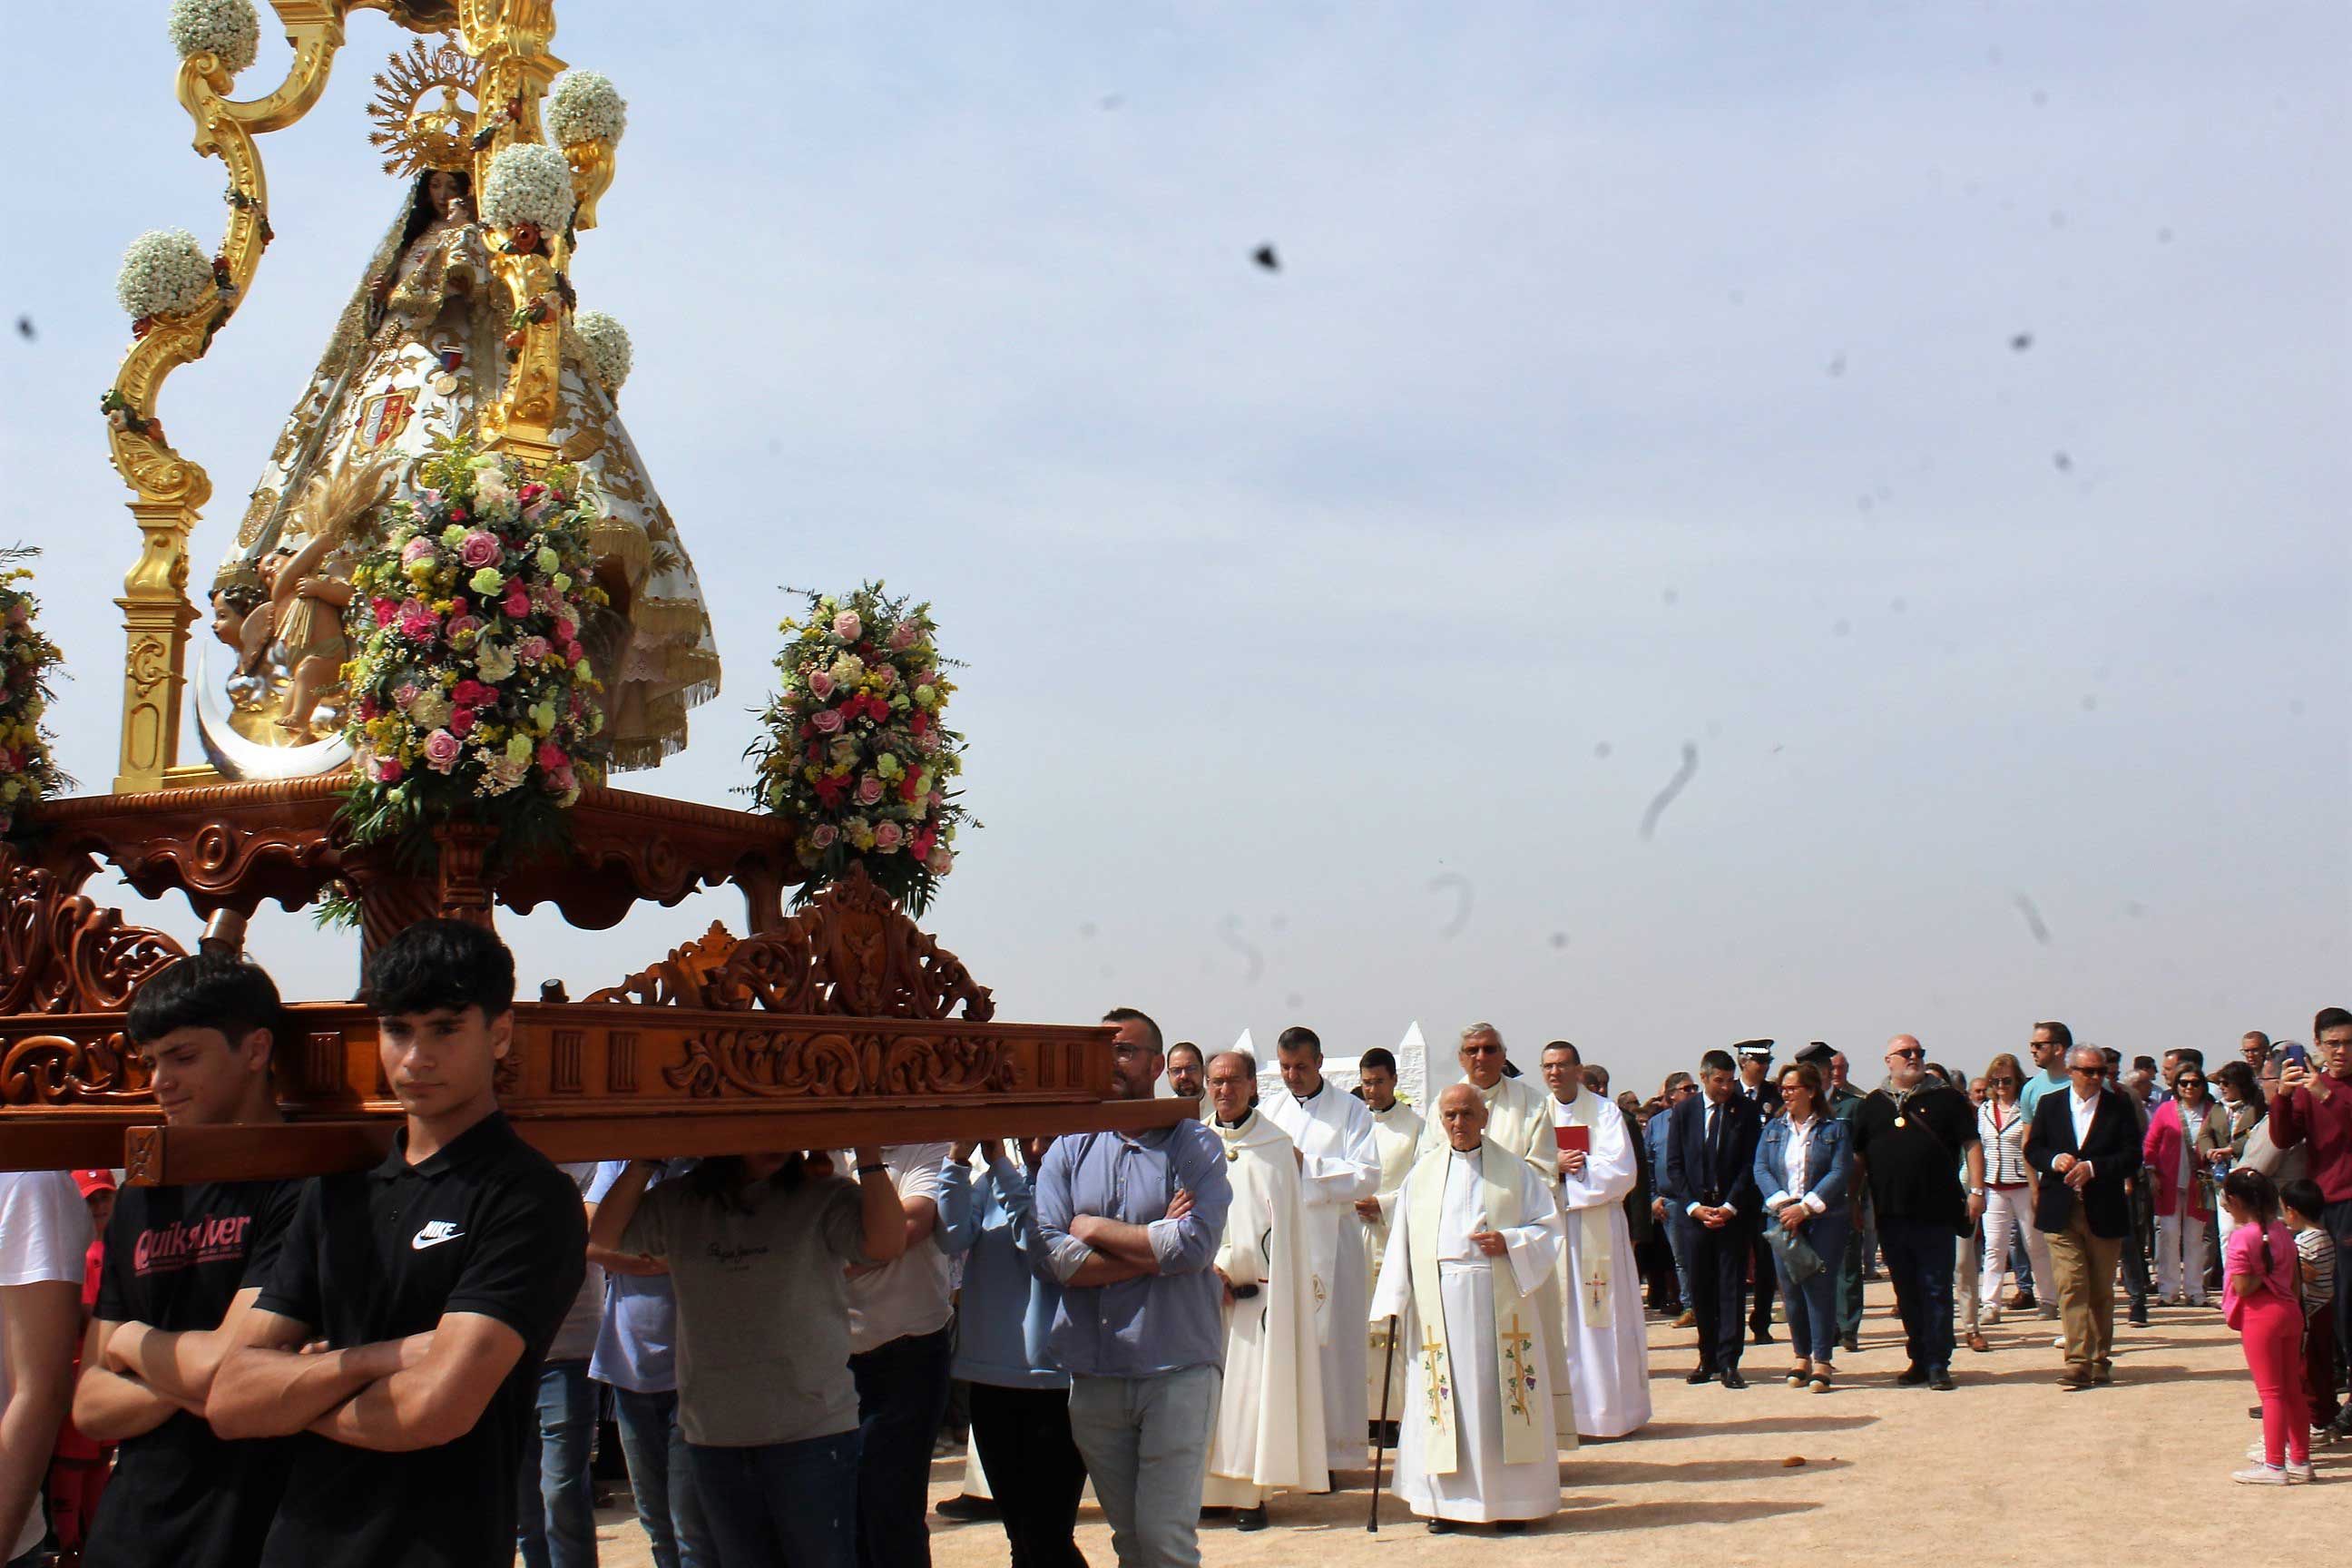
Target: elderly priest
(1476, 1238)
(1268, 1435)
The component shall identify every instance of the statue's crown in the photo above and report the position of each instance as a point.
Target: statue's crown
(420, 124)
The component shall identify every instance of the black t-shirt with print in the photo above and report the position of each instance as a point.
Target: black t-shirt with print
(175, 1258)
(1915, 1169)
(487, 1226)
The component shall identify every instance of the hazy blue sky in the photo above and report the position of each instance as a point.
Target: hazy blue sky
(1637, 375)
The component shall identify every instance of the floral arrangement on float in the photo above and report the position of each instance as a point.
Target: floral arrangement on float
(471, 697)
(529, 194)
(858, 754)
(229, 30)
(28, 770)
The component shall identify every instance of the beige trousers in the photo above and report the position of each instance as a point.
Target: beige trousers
(2085, 1265)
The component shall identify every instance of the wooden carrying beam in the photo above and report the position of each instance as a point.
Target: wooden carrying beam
(166, 1156)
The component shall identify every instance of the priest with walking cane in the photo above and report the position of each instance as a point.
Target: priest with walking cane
(1475, 1237)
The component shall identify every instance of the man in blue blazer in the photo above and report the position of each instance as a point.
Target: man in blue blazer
(1710, 1177)
(2085, 1143)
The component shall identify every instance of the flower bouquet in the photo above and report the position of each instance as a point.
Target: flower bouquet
(28, 770)
(470, 695)
(856, 753)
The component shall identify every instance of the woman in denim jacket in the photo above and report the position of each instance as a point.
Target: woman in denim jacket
(1811, 1202)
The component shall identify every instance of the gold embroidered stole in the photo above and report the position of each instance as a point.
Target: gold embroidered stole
(1592, 1254)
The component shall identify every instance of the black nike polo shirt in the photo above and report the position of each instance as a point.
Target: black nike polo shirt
(486, 1225)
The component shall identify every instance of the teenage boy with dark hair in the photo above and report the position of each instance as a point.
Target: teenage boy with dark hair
(436, 1280)
(183, 1268)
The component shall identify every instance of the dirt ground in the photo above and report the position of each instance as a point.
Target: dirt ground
(1904, 1475)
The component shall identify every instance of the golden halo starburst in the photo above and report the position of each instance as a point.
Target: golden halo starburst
(413, 133)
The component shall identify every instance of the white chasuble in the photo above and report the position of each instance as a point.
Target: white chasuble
(1597, 1289)
(1478, 1440)
(1268, 1432)
(1341, 1163)
(1396, 1137)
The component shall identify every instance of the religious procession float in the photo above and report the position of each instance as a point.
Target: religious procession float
(454, 605)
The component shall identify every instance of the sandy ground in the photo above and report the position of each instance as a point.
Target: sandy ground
(1906, 1474)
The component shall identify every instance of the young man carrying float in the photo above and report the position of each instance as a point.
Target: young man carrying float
(183, 1268)
(436, 1280)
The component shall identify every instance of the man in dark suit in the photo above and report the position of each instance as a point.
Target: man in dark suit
(1757, 1088)
(2086, 1144)
(1710, 1175)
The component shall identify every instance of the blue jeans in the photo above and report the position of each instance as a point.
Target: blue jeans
(1920, 1257)
(661, 1476)
(556, 1516)
(794, 1505)
(1813, 1305)
(1679, 1243)
(1146, 1444)
(902, 1393)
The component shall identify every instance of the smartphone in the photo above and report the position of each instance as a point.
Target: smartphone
(2292, 1055)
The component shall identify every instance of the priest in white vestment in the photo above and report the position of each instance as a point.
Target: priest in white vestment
(1474, 1238)
(1268, 1432)
(1396, 1137)
(1597, 1285)
(1338, 1165)
(1519, 1114)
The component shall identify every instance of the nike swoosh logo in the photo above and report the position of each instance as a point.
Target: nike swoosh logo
(422, 1242)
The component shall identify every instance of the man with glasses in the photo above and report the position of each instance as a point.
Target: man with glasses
(1911, 1137)
(2049, 1046)
(1519, 1114)
(2086, 1145)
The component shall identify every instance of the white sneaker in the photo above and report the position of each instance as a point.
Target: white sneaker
(2259, 1476)
(2302, 1474)
(2256, 1451)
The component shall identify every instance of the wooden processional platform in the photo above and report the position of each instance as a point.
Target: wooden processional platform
(839, 1025)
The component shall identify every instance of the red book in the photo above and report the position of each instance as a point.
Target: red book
(1576, 1139)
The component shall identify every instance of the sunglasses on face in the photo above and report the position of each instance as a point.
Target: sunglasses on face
(2094, 1072)
(1910, 1056)
(1482, 1051)
(1997, 1082)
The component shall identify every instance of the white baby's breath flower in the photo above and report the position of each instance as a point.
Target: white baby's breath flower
(529, 183)
(606, 343)
(586, 107)
(228, 30)
(164, 273)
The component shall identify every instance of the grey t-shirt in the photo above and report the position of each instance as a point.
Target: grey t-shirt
(575, 1340)
(763, 1311)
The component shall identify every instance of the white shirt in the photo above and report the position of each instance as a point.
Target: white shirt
(44, 1234)
(1792, 1172)
(2083, 1110)
(908, 1295)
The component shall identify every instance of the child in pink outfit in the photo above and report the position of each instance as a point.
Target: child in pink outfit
(2260, 1300)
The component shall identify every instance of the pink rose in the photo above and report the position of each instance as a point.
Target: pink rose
(518, 604)
(827, 720)
(941, 862)
(574, 653)
(407, 694)
(902, 635)
(869, 791)
(442, 749)
(416, 550)
(847, 626)
(567, 630)
(387, 611)
(823, 836)
(532, 650)
(480, 550)
(384, 770)
(887, 837)
(463, 628)
(820, 685)
(418, 621)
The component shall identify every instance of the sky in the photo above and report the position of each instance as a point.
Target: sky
(1930, 418)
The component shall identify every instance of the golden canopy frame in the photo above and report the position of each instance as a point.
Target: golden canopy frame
(169, 490)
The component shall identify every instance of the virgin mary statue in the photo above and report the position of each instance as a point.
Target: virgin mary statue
(416, 357)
